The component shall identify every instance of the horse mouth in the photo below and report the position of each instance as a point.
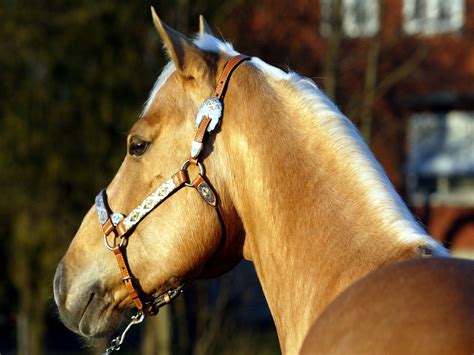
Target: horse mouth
(91, 297)
(97, 319)
(86, 323)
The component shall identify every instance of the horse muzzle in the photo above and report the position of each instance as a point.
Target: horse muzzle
(82, 308)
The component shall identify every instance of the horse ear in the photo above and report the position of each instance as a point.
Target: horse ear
(204, 27)
(184, 53)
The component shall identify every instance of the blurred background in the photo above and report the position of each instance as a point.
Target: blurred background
(74, 76)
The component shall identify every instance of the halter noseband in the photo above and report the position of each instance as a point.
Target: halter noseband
(118, 226)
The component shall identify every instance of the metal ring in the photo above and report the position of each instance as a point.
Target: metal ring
(185, 166)
(107, 245)
(115, 246)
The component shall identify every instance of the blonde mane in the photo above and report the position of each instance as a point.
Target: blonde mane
(303, 94)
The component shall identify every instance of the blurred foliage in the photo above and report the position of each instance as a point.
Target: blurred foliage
(72, 75)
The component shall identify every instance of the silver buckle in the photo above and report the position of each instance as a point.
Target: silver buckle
(211, 108)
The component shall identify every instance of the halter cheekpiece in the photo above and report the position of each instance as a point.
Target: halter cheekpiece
(117, 227)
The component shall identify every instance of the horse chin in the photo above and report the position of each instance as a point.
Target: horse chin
(92, 318)
(98, 319)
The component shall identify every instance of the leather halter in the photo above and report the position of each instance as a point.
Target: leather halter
(118, 226)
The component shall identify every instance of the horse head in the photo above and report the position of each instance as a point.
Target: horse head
(181, 240)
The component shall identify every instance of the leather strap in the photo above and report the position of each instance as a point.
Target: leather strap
(208, 122)
(225, 75)
(127, 278)
(202, 129)
(108, 227)
(180, 178)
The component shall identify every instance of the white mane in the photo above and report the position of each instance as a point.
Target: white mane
(205, 42)
(386, 202)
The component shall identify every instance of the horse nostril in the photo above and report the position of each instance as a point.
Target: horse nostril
(59, 285)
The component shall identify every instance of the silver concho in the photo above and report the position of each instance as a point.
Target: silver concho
(211, 108)
(206, 193)
(100, 207)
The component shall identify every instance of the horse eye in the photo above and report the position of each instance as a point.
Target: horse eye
(137, 147)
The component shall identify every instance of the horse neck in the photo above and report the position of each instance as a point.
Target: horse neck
(311, 227)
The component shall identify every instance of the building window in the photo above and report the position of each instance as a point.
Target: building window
(359, 18)
(441, 158)
(430, 17)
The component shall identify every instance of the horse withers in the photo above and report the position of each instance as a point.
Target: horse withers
(233, 158)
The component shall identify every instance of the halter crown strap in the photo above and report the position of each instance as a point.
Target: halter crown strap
(225, 75)
(210, 112)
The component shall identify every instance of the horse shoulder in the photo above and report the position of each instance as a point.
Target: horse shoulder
(422, 306)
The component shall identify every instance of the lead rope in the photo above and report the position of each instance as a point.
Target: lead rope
(118, 225)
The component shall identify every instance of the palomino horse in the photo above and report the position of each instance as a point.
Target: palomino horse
(289, 184)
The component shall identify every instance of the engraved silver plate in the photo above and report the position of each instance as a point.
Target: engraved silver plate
(100, 207)
(211, 108)
(196, 148)
(206, 193)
